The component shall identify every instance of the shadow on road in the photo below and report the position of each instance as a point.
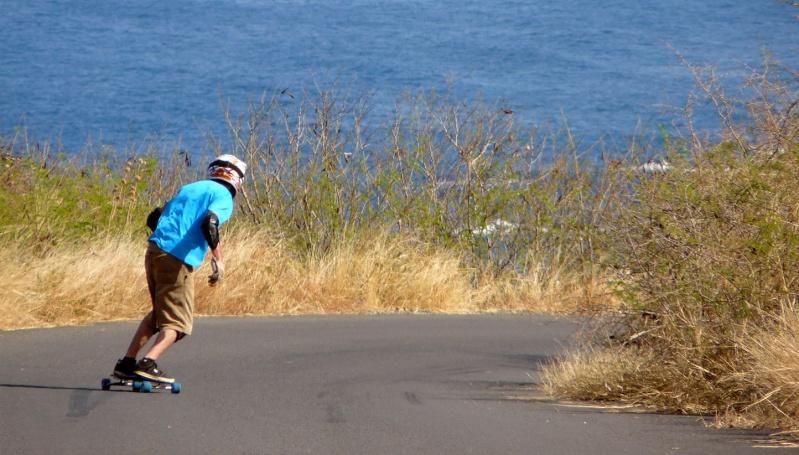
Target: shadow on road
(49, 387)
(81, 402)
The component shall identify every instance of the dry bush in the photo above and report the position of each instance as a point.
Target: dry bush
(666, 378)
(752, 382)
(707, 260)
(461, 176)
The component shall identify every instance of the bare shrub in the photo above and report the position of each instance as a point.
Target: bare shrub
(444, 206)
(707, 260)
(506, 201)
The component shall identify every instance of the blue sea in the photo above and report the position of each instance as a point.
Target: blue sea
(124, 72)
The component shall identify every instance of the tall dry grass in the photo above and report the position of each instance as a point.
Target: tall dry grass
(264, 276)
(78, 285)
(751, 382)
(379, 274)
(771, 378)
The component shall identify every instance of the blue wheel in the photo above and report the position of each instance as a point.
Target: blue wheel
(106, 384)
(176, 387)
(137, 385)
(146, 387)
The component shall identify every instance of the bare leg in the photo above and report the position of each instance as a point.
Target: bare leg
(140, 338)
(163, 341)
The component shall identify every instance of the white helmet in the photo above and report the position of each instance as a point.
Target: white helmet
(228, 168)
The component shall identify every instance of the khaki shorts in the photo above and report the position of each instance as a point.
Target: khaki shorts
(171, 285)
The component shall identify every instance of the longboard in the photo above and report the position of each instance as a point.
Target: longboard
(139, 384)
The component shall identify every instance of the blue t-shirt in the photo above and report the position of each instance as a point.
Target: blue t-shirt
(179, 232)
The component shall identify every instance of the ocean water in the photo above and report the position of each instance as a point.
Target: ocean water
(120, 72)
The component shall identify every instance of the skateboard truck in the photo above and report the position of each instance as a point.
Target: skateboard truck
(139, 384)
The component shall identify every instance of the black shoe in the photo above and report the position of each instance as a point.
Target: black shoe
(147, 369)
(126, 368)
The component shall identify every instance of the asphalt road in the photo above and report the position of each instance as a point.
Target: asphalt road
(410, 384)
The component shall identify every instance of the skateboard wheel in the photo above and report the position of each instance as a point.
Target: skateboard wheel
(137, 385)
(176, 387)
(106, 384)
(146, 387)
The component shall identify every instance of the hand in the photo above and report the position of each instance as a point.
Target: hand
(218, 268)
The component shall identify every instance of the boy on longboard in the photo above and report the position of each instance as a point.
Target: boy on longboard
(183, 231)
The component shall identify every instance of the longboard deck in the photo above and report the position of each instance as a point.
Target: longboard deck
(139, 384)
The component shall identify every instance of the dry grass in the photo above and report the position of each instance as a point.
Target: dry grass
(353, 277)
(772, 377)
(637, 376)
(754, 385)
(105, 281)
(375, 275)
(72, 286)
(549, 291)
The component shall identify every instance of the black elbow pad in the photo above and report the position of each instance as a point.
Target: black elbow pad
(152, 219)
(210, 228)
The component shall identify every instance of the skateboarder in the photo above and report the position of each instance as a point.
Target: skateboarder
(183, 231)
